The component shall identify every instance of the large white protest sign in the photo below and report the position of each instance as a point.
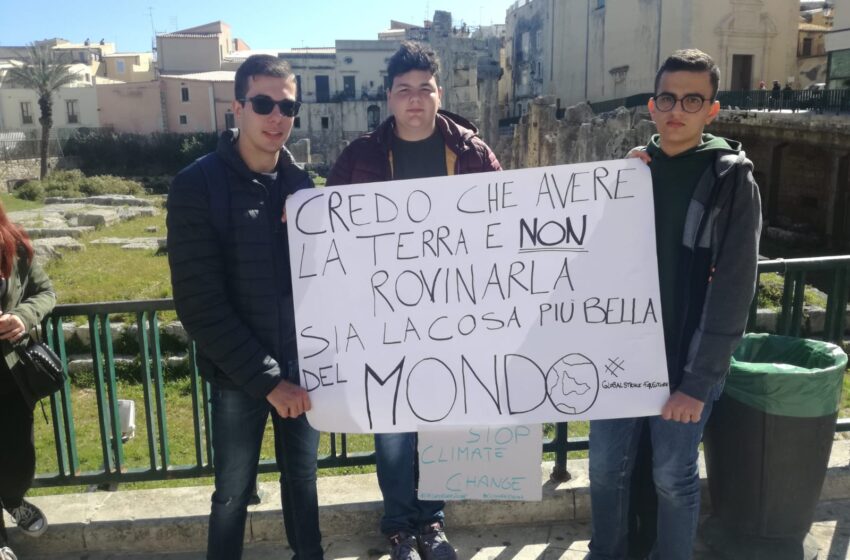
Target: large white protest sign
(480, 463)
(511, 297)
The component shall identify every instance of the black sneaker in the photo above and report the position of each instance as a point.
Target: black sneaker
(404, 547)
(7, 554)
(29, 519)
(434, 544)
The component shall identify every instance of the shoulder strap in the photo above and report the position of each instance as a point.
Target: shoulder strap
(215, 175)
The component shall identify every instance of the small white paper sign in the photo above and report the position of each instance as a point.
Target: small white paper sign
(481, 463)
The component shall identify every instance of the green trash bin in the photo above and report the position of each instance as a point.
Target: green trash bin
(767, 446)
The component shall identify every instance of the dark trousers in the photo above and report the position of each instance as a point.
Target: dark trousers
(17, 452)
(238, 423)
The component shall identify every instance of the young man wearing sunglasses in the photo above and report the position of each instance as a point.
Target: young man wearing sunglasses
(418, 140)
(707, 224)
(227, 248)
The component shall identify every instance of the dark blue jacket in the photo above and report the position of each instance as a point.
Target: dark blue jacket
(233, 292)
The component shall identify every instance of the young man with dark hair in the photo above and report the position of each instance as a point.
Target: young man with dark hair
(229, 258)
(417, 140)
(707, 224)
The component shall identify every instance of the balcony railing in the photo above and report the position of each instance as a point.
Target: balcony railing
(833, 273)
(814, 100)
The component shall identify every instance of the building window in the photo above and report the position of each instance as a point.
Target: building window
(297, 123)
(600, 4)
(26, 112)
(229, 120)
(72, 106)
(184, 94)
(184, 119)
(373, 117)
(323, 91)
(807, 47)
(297, 87)
(326, 122)
(348, 87)
(119, 66)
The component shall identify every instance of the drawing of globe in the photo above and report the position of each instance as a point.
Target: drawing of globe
(572, 384)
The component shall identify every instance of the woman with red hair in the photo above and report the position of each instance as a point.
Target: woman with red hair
(26, 296)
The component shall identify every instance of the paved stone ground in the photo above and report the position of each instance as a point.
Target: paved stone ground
(831, 531)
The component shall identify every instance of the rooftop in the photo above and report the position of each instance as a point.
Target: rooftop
(120, 54)
(179, 35)
(813, 27)
(214, 76)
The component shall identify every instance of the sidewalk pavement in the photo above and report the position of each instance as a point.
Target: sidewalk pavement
(171, 523)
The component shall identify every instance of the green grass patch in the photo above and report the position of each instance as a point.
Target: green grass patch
(109, 273)
(771, 287)
(13, 204)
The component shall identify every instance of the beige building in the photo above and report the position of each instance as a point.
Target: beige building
(131, 107)
(199, 102)
(87, 52)
(598, 50)
(74, 105)
(838, 47)
(197, 49)
(130, 67)
(811, 55)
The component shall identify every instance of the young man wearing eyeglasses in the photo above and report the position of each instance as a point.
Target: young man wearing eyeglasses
(417, 140)
(707, 224)
(229, 258)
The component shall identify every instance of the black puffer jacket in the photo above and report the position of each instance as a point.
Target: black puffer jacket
(234, 294)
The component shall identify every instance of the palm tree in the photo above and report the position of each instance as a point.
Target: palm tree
(44, 76)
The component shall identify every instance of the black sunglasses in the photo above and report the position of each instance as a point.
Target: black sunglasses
(264, 105)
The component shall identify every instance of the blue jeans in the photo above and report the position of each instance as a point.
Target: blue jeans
(238, 423)
(398, 476)
(675, 470)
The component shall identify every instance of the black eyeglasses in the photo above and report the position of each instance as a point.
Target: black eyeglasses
(264, 105)
(691, 103)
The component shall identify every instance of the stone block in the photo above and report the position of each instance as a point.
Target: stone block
(117, 200)
(176, 330)
(816, 319)
(767, 320)
(43, 233)
(59, 243)
(578, 114)
(97, 218)
(84, 335)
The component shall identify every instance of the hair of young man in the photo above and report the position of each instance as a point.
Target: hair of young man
(412, 56)
(691, 60)
(259, 65)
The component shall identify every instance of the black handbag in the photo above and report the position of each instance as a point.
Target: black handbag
(39, 372)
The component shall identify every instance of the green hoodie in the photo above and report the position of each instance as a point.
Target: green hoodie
(674, 180)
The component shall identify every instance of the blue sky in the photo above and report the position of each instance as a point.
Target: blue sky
(263, 24)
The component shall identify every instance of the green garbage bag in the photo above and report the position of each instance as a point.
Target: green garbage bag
(787, 376)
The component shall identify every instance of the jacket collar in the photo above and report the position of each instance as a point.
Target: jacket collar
(292, 174)
(457, 132)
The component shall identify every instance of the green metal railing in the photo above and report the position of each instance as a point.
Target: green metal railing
(831, 271)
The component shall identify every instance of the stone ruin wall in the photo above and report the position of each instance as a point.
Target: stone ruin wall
(541, 139)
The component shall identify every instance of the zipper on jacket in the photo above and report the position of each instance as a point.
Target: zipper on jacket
(686, 303)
